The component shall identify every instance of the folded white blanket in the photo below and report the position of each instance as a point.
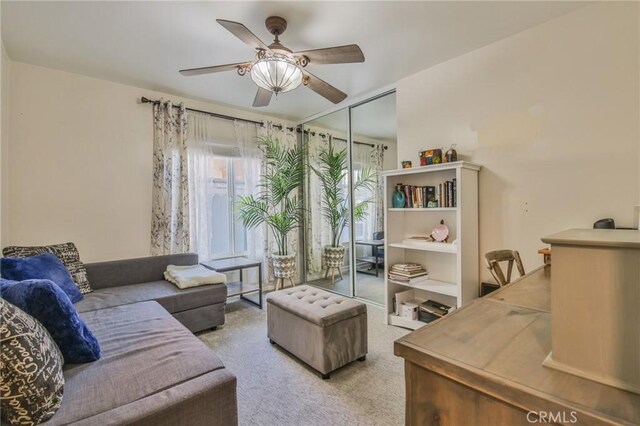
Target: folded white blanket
(193, 276)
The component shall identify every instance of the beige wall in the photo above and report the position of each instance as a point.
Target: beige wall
(552, 114)
(5, 71)
(81, 162)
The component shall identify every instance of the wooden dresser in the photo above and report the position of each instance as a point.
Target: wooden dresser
(482, 365)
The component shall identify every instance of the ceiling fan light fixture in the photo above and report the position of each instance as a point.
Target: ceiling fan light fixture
(276, 73)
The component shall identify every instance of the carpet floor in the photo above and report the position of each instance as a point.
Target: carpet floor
(274, 388)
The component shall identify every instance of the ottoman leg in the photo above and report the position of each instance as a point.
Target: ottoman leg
(326, 376)
(362, 358)
(272, 342)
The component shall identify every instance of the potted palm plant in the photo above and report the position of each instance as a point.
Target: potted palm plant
(332, 173)
(277, 204)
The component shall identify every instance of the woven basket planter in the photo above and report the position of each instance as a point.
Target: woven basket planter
(334, 256)
(284, 266)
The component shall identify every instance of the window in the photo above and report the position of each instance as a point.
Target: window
(363, 229)
(225, 181)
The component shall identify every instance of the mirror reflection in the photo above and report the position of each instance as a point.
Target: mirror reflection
(344, 197)
(327, 203)
(374, 150)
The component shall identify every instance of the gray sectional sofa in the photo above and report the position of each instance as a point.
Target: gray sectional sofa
(153, 370)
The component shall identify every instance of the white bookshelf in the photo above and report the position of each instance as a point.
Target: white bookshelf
(453, 267)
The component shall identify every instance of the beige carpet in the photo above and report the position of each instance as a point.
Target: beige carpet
(274, 388)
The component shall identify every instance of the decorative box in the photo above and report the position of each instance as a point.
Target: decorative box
(430, 156)
(409, 310)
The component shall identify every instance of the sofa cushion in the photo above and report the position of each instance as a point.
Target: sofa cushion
(144, 352)
(115, 273)
(43, 266)
(66, 252)
(50, 305)
(30, 369)
(166, 294)
(317, 306)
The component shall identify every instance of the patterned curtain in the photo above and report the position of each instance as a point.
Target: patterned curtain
(170, 210)
(289, 139)
(377, 162)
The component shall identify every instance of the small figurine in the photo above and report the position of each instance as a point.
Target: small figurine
(451, 155)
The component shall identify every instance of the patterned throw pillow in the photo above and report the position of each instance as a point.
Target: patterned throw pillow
(31, 380)
(67, 253)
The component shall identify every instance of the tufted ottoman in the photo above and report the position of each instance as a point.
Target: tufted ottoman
(323, 329)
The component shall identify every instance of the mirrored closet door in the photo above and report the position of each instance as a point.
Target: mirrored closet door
(327, 203)
(374, 150)
(345, 153)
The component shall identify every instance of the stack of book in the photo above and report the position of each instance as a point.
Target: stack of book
(408, 273)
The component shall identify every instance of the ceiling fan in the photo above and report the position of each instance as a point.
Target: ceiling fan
(277, 69)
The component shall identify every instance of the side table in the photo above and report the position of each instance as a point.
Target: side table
(375, 259)
(239, 288)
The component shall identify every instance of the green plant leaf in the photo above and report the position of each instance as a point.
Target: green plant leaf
(332, 172)
(276, 205)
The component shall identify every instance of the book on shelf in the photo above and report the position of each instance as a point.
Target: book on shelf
(407, 267)
(411, 274)
(404, 280)
(409, 270)
(441, 195)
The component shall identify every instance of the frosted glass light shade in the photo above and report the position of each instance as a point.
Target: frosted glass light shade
(276, 73)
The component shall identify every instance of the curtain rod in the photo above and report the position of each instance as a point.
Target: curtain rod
(372, 145)
(145, 100)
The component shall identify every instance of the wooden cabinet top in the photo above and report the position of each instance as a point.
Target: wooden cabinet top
(625, 238)
(497, 344)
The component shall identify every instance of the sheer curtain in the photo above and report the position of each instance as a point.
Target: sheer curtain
(208, 138)
(203, 134)
(252, 163)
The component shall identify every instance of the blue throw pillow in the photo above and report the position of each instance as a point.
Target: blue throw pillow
(45, 266)
(46, 302)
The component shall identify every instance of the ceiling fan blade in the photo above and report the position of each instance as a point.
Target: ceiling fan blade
(263, 97)
(243, 33)
(324, 89)
(210, 70)
(334, 55)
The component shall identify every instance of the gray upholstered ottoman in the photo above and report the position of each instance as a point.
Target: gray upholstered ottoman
(323, 329)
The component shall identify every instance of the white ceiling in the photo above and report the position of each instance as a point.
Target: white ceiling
(146, 43)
